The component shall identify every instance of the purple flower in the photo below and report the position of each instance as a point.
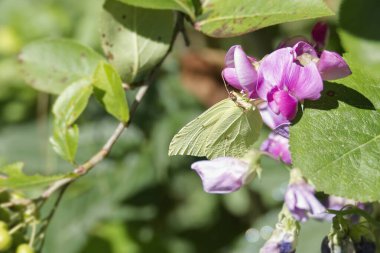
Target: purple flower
(330, 64)
(223, 175)
(283, 82)
(240, 72)
(301, 201)
(278, 147)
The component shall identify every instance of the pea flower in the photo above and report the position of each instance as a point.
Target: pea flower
(300, 198)
(284, 237)
(240, 72)
(278, 147)
(331, 65)
(283, 82)
(224, 174)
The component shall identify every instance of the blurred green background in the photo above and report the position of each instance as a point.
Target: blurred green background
(139, 200)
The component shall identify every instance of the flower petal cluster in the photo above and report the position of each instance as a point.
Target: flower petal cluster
(300, 198)
(289, 75)
(223, 174)
(283, 82)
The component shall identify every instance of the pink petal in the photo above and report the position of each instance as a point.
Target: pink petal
(332, 66)
(273, 69)
(229, 74)
(320, 34)
(285, 103)
(245, 71)
(229, 59)
(305, 82)
(271, 119)
(278, 147)
(304, 48)
(221, 175)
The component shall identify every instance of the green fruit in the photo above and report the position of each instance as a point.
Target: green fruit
(5, 239)
(3, 225)
(24, 248)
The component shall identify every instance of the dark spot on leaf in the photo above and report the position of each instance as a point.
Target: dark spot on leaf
(119, 29)
(330, 93)
(159, 38)
(103, 35)
(83, 55)
(64, 79)
(109, 56)
(124, 17)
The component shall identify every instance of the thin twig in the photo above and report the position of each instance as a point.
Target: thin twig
(48, 219)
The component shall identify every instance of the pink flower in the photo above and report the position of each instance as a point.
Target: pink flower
(240, 72)
(301, 201)
(223, 174)
(330, 64)
(278, 147)
(283, 82)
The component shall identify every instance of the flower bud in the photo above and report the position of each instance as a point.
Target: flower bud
(363, 238)
(284, 237)
(338, 240)
(320, 34)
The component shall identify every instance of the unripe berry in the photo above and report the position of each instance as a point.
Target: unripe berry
(5, 239)
(24, 248)
(3, 225)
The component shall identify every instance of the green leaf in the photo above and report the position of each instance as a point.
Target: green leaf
(359, 33)
(67, 108)
(364, 79)
(336, 144)
(109, 91)
(65, 141)
(227, 18)
(12, 177)
(360, 20)
(226, 129)
(186, 6)
(52, 65)
(365, 53)
(135, 39)
(72, 102)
